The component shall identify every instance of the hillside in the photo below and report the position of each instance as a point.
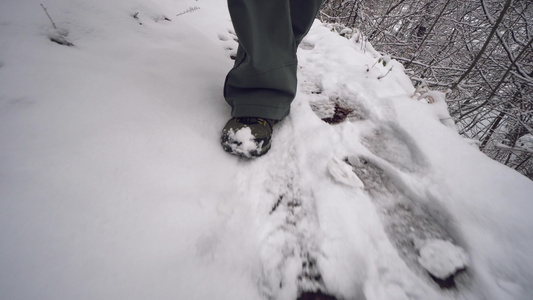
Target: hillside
(113, 184)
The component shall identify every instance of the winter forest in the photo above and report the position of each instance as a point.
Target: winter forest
(478, 52)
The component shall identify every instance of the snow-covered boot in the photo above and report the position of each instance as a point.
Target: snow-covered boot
(248, 137)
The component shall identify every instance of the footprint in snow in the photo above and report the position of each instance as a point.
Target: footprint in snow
(335, 110)
(230, 42)
(420, 233)
(397, 147)
(305, 45)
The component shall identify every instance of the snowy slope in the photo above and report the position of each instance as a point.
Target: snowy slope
(113, 184)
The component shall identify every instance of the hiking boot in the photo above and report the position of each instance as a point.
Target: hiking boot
(248, 136)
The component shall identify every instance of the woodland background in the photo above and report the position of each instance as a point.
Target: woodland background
(479, 52)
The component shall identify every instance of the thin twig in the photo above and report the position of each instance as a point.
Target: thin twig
(190, 9)
(46, 12)
(383, 76)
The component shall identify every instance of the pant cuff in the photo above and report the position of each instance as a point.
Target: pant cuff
(267, 112)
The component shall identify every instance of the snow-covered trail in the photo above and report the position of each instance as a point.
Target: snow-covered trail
(113, 184)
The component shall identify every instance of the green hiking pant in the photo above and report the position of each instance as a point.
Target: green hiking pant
(263, 81)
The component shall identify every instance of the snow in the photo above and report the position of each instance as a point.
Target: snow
(342, 172)
(242, 142)
(442, 258)
(113, 184)
(525, 142)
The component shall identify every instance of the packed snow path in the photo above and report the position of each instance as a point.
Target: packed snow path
(113, 184)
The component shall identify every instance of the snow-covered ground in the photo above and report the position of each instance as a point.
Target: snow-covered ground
(113, 184)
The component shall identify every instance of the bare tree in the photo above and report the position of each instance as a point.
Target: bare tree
(479, 49)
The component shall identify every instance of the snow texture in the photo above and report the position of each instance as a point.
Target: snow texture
(243, 142)
(442, 258)
(113, 183)
(343, 173)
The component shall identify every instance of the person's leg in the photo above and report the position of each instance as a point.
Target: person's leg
(262, 84)
(303, 13)
(263, 81)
